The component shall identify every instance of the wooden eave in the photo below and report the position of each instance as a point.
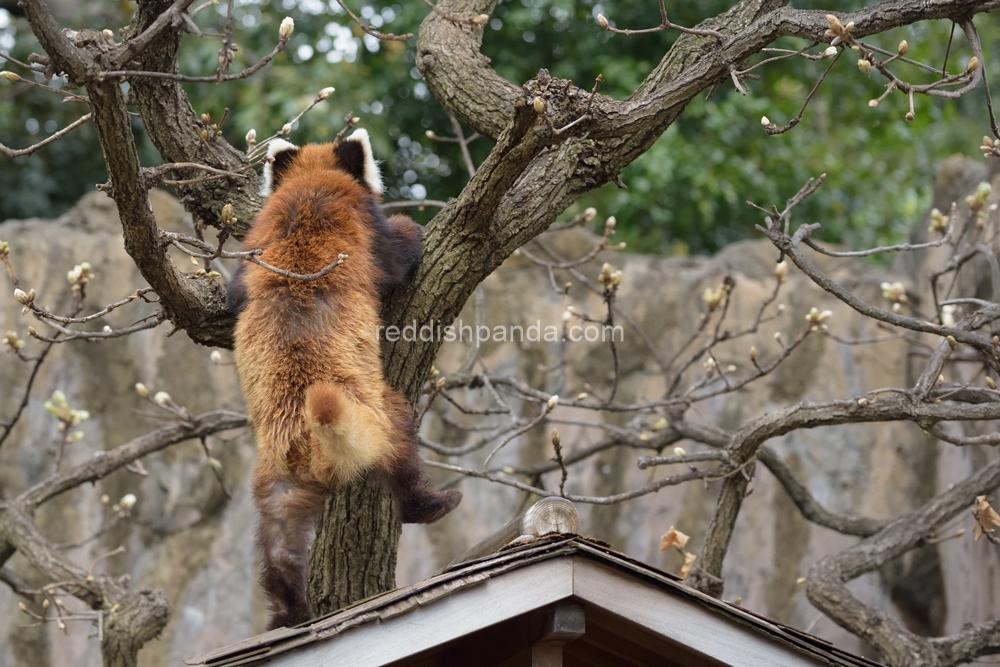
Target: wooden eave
(620, 594)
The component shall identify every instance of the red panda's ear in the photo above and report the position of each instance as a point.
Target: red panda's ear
(283, 153)
(354, 155)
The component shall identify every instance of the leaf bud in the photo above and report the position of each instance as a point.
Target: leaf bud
(214, 463)
(539, 105)
(7, 75)
(909, 116)
(864, 66)
(973, 65)
(286, 28)
(555, 437)
(603, 22)
(285, 129)
(325, 93)
(830, 52)
(140, 389)
(582, 396)
(127, 502)
(765, 121)
(206, 118)
(161, 398)
(990, 383)
(781, 270)
(480, 19)
(589, 214)
(753, 352)
(902, 48)
(679, 451)
(952, 343)
(22, 297)
(251, 136)
(873, 103)
(553, 402)
(216, 356)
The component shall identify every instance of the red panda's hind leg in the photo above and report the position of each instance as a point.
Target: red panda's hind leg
(287, 521)
(414, 499)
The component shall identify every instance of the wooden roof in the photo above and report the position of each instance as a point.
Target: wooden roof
(635, 615)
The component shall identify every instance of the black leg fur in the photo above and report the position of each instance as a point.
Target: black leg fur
(287, 519)
(414, 499)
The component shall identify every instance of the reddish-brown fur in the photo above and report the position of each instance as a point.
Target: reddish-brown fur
(308, 357)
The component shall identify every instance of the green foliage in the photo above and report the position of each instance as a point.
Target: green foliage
(687, 194)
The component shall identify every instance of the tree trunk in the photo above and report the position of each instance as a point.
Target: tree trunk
(354, 556)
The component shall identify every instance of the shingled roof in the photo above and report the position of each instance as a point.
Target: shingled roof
(419, 619)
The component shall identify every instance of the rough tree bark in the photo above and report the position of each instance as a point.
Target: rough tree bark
(554, 142)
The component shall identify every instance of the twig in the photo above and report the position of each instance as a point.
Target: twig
(665, 24)
(128, 73)
(413, 203)
(181, 240)
(386, 36)
(771, 128)
(18, 152)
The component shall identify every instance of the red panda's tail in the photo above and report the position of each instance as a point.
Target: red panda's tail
(351, 436)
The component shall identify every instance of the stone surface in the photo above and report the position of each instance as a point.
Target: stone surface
(187, 537)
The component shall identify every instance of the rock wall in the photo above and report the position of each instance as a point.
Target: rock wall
(187, 537)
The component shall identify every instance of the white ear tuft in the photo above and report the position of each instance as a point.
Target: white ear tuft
(276, 146)
(371, 174)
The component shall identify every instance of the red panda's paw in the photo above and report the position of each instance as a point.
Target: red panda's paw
(324, 404)
(428, 506)
(287, 618)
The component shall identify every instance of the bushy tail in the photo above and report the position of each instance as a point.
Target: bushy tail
(354, 439)
(352, 436)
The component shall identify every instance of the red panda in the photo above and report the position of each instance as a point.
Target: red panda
(307, 352)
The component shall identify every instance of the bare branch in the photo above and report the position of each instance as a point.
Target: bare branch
(55, 136)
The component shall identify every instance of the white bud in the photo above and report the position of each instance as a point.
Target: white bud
(830, 52)
(127, 502)
(325, 93)
(781, 270)
(216, 356)
(161, 398)
(286, 28)
(140, 389)
(286, 128)
(589, 214)
(679, 451)
(553, 402)
(251, 136)
(22, 297)
(765, 121)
